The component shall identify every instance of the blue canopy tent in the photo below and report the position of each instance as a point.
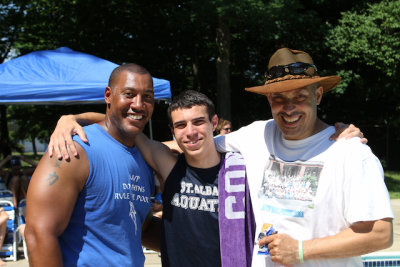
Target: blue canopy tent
(61, 77)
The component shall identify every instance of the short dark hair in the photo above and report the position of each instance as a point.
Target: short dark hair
(188, 99)
(131, 67)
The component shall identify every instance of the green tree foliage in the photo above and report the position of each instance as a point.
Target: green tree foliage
(368, 40)
(10, 25)
(365, 45)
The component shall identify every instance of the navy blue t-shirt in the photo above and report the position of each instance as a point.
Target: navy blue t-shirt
(190, 232)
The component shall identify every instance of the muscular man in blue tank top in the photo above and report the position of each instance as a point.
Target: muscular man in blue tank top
(89, 210)
(190, 234)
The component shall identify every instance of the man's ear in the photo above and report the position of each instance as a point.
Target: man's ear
(318, 94)
(172, 131)
(108, 95)
(269, 98)
(214, 122)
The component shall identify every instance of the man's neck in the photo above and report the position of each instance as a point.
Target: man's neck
(319, 126)
(124, 139)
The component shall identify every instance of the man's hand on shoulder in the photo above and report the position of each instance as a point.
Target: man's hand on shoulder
(61, 143)
(347, 131)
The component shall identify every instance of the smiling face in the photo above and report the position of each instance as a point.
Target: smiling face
(193, 132)
(295, 112)
(130, 104)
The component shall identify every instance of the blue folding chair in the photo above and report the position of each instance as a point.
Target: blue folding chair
(9, 249)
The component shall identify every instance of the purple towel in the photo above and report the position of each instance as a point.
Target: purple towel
(236, 218)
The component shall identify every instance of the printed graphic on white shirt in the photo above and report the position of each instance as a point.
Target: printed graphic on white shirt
(289, 188)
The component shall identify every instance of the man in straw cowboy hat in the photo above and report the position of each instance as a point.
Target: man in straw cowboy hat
(316, 202)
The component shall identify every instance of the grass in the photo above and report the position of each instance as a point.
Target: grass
(392, 180)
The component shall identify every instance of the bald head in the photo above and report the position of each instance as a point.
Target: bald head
(130, 67)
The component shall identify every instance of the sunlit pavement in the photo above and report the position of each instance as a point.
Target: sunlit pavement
(152, 260)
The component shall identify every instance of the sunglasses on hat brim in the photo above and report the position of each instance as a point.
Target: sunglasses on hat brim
(297, 68)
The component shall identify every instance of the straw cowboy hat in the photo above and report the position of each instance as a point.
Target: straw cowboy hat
(292, 69)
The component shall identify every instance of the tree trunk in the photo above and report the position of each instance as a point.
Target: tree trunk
(5, 148)
(223, 69)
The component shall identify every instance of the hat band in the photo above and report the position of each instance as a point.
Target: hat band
(296, 68)
(291, 77)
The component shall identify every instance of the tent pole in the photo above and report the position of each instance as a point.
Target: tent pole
(151, 129)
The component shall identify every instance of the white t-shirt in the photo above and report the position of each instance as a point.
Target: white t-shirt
(309, 188)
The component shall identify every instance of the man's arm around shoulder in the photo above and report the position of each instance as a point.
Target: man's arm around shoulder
(51, 198)
(156, 154)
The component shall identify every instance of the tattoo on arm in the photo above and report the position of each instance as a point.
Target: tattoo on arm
(53, 177)
(58, 164)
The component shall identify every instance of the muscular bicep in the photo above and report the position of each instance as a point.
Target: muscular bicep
(53, 191)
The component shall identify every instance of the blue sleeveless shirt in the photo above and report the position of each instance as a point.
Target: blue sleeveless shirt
(105, 226)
